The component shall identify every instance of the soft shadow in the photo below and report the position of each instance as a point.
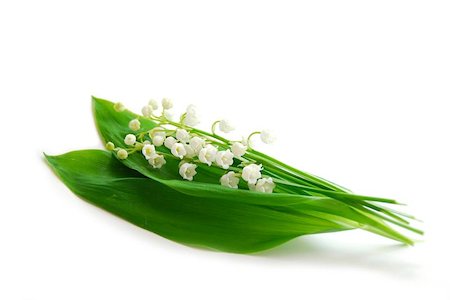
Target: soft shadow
(386, 259)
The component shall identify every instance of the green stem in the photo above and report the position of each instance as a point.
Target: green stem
(334, 194)
(213, 127)
(313, 180)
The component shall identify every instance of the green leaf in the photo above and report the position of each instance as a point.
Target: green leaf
(213, 222)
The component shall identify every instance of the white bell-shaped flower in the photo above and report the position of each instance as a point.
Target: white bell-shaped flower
(148, 150)
(182, 135)
(153, 104)
(230, 180)
(119, 107)
(197, 144)
(157, 131)
(225, 126)
(264, 185)
(224, 159)
(267, 137)
(169, 142)
(238, 149)
(207, 154)
(156, 161)
(178, 150)
(191, 109)
(190, 153)
(147, 111)
(158, 140)
(167, 103)
(187, 171)
(191, 118)
(130, 139)
(251, 173)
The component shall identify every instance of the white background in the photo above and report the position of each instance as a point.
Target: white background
(356, 90)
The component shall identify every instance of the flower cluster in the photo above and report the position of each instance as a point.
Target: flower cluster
(194, 147)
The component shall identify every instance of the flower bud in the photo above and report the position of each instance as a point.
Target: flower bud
(122, 154)
(225, 126)
(167, 103)
(147, 111)
(110, 146)
(158, 140)
(153, 104)
(134, 125)
(119, 107)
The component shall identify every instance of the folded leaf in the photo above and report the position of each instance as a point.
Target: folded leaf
(212, 222)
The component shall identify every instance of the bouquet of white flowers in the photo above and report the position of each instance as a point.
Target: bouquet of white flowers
(199, 188)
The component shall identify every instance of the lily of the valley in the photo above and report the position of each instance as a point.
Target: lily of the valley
(158, 140)
(110, 146)
(169, 142)
(230, 180)
(224, 159)
(225, 126)
(267, 137)
(167, 103)
(156, 161)
(191, 117)
(178, 150)
(251, 173)
(264, 185)
(147, 111)
(192, 146)
(153, 104)
(157, 131)
(119, 107)
(197, 144)
(187, 171)
(148, 150)
(190, 153)
(207, 155)
(182, 135)
(122, 154)
(238, 149)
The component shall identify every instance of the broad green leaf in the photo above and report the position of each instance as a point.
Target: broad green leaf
(212, 222)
